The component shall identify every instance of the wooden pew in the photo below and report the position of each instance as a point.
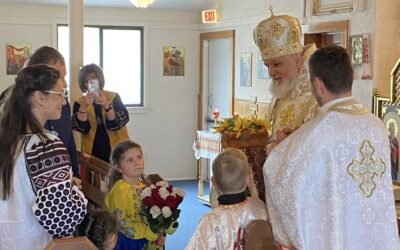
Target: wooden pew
(94, 173)
(72, 243)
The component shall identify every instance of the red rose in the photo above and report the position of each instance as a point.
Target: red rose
(171, 201)
(148, 202)
(178, 199)
(160, 202)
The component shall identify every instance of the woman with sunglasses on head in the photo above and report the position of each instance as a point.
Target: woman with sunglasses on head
(99, 115)
(38, 199)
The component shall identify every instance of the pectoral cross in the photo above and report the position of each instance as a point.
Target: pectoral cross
(366, 170)
(254, 106)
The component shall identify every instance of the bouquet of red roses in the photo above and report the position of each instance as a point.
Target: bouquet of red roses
(160, 207)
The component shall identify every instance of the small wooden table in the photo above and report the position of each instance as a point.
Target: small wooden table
(208, 144)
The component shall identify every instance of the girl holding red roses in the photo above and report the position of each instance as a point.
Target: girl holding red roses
(123, 197)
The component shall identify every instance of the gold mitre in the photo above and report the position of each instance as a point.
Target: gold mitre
(278, 36)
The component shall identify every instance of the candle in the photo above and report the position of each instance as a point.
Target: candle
(216, 113)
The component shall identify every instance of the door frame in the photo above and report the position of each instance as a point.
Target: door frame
(210, 36)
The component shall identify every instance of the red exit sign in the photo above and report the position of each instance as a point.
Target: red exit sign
(209, 16)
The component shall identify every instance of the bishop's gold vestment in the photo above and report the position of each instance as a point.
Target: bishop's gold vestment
(298, 105)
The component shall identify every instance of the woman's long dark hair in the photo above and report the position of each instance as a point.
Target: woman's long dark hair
(16, 117)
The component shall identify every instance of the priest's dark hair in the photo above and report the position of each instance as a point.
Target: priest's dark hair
(332, 65)
(16, 117)
(46, 55)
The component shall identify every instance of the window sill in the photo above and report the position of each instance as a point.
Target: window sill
(138, 110)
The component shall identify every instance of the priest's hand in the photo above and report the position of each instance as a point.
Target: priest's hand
(280, 136)
(270, 146)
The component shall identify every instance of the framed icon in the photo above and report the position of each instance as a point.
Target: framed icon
(262, 70)
(391, 119)
(173, 61)
(332, 6)
(356, 49)
(245, 69)
(16, 56)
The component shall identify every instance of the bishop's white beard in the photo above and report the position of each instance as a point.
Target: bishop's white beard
(280, 90)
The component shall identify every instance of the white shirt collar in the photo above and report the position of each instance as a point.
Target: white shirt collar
(329, 104)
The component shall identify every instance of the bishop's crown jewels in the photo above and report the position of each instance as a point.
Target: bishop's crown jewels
(278, 36)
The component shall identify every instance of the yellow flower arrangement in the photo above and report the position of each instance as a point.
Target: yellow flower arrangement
(237, 125)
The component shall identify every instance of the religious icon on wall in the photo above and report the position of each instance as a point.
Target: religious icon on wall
(262, 70)
(331, 6)
(356, 48)
(391, 119)
(245, 69)
(174, 61)
(16, 56)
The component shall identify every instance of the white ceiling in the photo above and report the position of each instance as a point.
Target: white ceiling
(157, 5)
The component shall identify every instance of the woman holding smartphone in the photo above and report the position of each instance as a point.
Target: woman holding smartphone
(99, 115)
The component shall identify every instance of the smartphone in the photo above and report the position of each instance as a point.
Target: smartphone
(94, 87)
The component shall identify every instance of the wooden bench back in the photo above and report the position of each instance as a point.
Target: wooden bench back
(72, 243)
(94, 173)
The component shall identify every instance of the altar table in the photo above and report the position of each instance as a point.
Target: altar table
(208, 144)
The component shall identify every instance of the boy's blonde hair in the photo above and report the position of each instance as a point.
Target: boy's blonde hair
(231, 171)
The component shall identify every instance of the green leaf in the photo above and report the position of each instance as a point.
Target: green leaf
(160, 218)
(175, 214)
(154, 228)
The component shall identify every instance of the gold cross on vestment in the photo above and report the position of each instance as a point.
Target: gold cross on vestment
(367, 169)
(271, 9)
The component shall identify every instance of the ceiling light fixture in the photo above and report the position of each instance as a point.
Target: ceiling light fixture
(141, 3)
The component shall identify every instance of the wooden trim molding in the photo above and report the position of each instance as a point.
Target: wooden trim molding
(211, 36)
(242, 107)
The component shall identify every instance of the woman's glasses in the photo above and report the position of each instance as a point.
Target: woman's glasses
(60, 93)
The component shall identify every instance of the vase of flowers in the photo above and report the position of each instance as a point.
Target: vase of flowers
(160, 207)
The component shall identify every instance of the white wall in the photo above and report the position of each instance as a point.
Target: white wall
(166, 126)
(243, 18)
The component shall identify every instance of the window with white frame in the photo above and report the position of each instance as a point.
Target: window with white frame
(119, 51)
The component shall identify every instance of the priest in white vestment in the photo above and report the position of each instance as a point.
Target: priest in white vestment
(328, 185)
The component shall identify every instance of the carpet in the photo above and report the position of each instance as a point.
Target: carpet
(191, 211)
